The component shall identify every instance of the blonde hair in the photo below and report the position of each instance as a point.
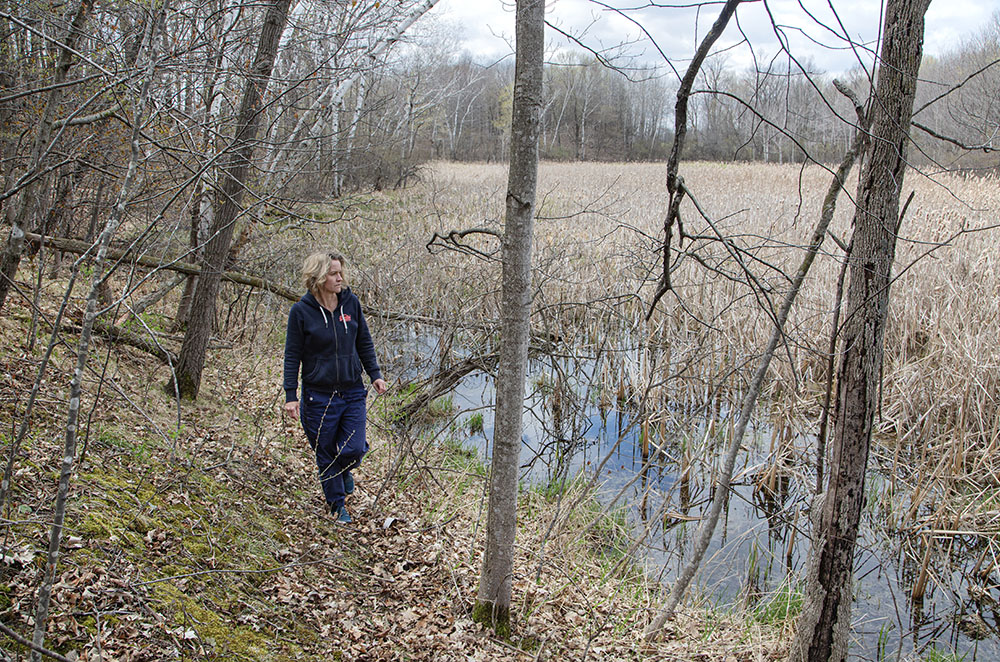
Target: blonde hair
(316, 266)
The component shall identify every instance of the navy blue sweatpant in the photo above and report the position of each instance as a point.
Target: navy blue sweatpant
(335, 427)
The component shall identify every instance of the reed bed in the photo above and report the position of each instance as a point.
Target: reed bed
(597, 258)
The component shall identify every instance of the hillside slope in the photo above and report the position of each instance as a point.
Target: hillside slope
(198, 532)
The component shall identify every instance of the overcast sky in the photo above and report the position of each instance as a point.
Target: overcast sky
(484, 27)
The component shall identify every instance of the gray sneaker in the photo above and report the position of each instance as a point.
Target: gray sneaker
(341, 515)
(348, 483)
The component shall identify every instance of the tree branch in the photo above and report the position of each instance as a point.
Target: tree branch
(986, 147)
(81, 247)
(89, 119)
(28, 644)
(674, 183)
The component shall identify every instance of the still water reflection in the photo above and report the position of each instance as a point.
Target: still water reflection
(660, 476)
(761, 544)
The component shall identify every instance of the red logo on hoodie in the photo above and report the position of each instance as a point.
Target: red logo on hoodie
(345, 318)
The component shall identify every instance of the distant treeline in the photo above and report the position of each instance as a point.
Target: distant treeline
(346, 109)
(431, 105)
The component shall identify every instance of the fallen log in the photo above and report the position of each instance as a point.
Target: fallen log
(79, 247)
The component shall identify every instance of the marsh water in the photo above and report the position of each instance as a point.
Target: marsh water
(760, 547)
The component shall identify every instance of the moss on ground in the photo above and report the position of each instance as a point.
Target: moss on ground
(202, 548)
(216, 629)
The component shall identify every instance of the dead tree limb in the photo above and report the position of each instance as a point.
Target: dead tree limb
(442, 382)
(721, 496)
(675, 186)
(79, 247)
(861, 141)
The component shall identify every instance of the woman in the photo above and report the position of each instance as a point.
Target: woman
(328, 337)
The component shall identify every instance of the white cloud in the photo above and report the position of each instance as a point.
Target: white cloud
(483, 24)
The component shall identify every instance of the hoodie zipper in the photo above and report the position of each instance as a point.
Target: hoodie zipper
(336, 341)
(326, 323)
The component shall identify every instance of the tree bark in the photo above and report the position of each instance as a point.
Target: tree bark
(10, 258)
(235, 172)
(493, 599)
(201, 212)
(82, 356)
(823, 627)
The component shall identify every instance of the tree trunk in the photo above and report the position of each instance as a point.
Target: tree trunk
(235, 172)
(201, 219)
(201, 200)
(10, 258)
(824, 625)
(493, 600)
(82, 356)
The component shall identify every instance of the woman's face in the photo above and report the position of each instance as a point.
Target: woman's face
(334, 281)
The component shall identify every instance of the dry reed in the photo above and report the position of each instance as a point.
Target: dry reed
(597, 261)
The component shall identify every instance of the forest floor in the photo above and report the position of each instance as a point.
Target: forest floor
(197, 531)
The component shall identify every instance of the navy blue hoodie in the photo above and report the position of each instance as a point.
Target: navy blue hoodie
(330, 347)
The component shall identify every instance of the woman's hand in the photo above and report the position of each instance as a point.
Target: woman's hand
(380, 386)
(292, 409)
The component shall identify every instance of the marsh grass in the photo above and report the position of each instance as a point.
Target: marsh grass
(597, 261)
(780, 606)
(935, 654)
(678, 374)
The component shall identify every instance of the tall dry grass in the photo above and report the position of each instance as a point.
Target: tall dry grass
(597, 261)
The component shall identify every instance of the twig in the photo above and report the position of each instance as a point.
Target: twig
(707, 528)
(29, 644)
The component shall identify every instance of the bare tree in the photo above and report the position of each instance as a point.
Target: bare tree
(352, 44)
(83, 353)
(958, 106)
(187, 380)
(30, 183)
(493, 599)
(825, 621)
(467, 83)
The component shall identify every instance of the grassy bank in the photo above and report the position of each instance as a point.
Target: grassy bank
(198, 532)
